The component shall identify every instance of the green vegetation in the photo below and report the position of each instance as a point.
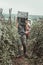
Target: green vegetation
(36, 43)
(9, 40)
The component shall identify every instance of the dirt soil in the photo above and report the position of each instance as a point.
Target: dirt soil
(20, 61)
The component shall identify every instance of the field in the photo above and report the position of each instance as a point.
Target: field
(9, 40)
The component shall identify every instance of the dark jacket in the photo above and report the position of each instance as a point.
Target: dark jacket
(21, 30)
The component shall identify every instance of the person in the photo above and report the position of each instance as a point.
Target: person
(23, 30)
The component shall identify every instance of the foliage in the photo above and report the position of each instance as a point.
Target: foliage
(9, 39)
(36, 43)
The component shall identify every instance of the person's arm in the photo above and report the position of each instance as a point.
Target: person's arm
(16, 23)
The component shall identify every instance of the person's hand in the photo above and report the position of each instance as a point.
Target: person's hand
(26, 32)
